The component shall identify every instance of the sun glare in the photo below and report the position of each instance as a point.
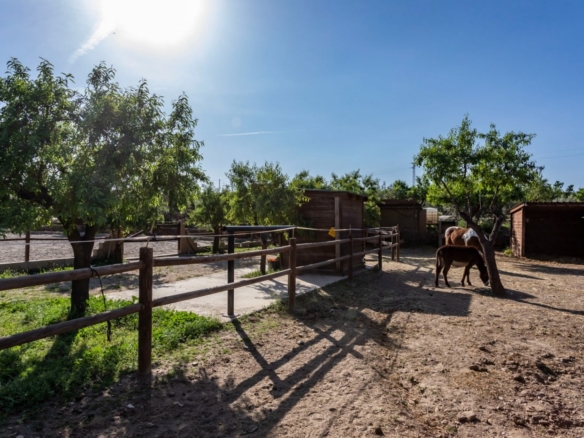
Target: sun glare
(154, 23)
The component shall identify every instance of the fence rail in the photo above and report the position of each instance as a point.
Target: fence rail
(145, 302)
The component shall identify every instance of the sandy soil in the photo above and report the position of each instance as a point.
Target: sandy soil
(390, 355)
(11, 252)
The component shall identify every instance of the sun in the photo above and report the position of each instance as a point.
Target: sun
(154, 23)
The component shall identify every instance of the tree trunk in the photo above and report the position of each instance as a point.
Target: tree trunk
(82, 259)
(264, 241)
(118, 253)
(488, 253)
(494, 277)
(216, 231)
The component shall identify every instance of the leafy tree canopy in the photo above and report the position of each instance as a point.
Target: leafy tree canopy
(540, 190)
(212, 208)
(105, 157)
(399, 189)
(304, 181)
(478, 179)
(262, 195)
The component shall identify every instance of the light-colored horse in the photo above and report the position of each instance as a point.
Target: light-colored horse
(462, 237)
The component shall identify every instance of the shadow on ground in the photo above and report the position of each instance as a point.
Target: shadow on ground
(340, 319)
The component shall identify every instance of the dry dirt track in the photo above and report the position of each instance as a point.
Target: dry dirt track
(12, 252)
(389, 356)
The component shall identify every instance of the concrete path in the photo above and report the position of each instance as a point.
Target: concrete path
(247, 299)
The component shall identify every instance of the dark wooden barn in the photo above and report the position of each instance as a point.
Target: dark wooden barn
(548, 228)
(409, 215)
(328, 209)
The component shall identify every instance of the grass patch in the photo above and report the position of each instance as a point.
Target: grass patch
(11, 273)
(66, 365)
(258, 273)
(508, 251)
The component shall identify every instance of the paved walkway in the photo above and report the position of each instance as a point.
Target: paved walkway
(247, 299)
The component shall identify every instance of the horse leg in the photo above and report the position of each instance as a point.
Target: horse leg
(438, 269)
(446, 269)
(467, 274)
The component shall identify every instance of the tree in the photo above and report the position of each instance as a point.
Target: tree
(212, 207)
(304, 181)
(105, 158)
(399, 189)
(262, 195)
(540, 190)
(579, 195)
(362, 185)
(479, 179)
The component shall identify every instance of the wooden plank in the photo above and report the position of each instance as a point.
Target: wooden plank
(337, 227)
(178, 261)
(364, 253)
(163, 301)
(145, 316)
(231, 275)
(366, 239)
(324, 263)
(58, 277)
(380, 254)
(292, 276)
(65, 327)
(351, 256)
(301, 246)
(27, 247)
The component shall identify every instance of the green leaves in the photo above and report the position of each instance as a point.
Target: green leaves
(211, 207)
(362, 185)
(262, 195)
(475, 178)
(108, 156)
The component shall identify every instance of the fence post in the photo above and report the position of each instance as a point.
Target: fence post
(380, 253)
(231, 275)
(145, 315)
(264, 243)
(292, 275)
(27, 247)
(398, 244)
(351, 256)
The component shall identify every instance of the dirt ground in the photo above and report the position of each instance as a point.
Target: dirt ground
(390, 355)
(13, 252)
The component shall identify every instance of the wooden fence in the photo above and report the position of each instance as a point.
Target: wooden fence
(145, 303)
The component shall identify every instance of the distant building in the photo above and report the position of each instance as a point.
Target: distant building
(409, 215)
(328, 209)
(548, 228)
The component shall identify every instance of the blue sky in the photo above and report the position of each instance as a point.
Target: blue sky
(331, 85)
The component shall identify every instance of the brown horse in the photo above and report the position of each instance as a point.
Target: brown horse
(462, 237)
(467, 256)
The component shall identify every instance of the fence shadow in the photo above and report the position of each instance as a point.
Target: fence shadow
(50, 375)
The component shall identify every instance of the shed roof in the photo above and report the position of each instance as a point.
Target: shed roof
(335, 192)
(547, 205)
(399, 203)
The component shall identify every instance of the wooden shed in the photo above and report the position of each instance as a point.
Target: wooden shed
(548, 228)
(409, 215)
(328, 209)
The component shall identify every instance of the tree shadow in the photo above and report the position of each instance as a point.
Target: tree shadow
(515, 274)
(553, 270)
(33, 380)
(337, 322)
(522, 297)
(68, 368)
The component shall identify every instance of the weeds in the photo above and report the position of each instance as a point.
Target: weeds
(69, 364)
(258, 273)
(11, 273)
